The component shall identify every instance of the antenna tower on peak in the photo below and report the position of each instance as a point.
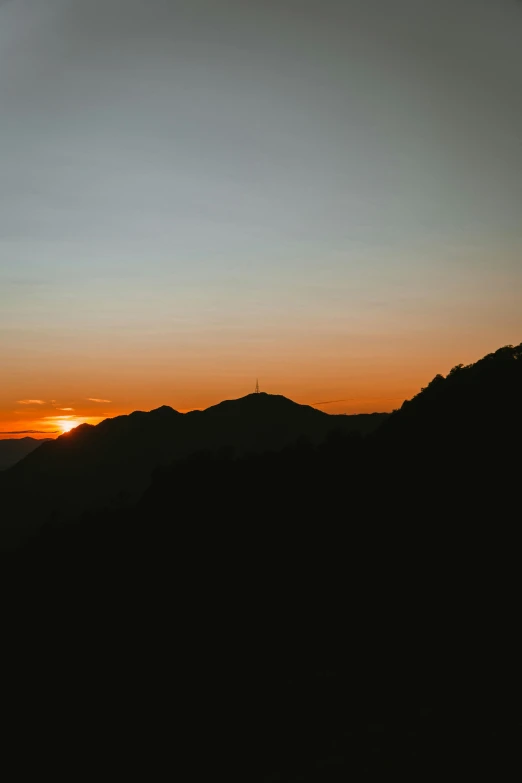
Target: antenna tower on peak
(257, 386)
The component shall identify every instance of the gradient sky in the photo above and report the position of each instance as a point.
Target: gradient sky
(326, 195)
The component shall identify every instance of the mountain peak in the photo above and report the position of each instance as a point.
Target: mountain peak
(165, 410)
(259, 401)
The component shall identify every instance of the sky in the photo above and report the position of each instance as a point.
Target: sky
(322, 194)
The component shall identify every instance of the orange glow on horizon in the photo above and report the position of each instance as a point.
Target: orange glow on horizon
(47, 401)
(14, 424)
(40, 429)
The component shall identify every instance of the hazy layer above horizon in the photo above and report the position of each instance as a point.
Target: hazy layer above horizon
(193, 194)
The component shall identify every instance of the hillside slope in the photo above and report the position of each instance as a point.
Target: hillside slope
(111, 464)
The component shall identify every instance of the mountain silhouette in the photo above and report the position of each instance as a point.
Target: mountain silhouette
(111, 463)
(453, 444)
(320, 608)
(472, 403)
(12, 450)
(457, 440)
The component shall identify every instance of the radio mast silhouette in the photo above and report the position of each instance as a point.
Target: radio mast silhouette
(257, 386)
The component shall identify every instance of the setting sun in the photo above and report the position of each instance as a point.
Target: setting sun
(66, 426)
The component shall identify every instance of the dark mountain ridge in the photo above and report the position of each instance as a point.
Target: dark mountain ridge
(111, 463)
(471, 402)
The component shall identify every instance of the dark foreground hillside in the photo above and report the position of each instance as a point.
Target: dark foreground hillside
(327, 612)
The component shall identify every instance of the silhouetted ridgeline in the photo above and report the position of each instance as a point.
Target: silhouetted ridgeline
(111, 463)
(343, 608)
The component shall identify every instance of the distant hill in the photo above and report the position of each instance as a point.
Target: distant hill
(12, 450)
(111, 463)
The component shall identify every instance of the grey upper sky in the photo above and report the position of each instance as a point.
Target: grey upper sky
(214, 178)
